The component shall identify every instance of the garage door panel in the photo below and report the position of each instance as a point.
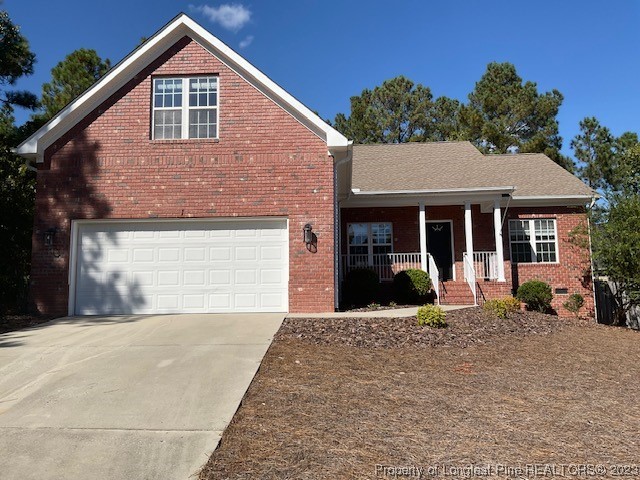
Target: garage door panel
(220, 254)
(245, 300)
(169, 234)
(168, 255)
(219, 301)
(168, 278)
(143, 255)
(271, 253)
(144, 279)
(271, 300)
(246, 253)
(195, 266)
(195, 254)
(220, 277)
(271, 277)
(167, 302)
(246, 277)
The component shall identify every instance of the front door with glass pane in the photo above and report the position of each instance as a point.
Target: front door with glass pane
(439, 243)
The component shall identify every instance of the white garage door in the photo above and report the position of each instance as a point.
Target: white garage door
(190, 267)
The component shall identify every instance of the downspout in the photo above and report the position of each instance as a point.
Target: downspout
(506, 209)
(27, 164)
(337, 238)
(593, 278)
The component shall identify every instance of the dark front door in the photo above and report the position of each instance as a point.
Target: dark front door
(439, 246)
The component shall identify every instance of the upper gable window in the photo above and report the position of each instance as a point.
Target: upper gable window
(185, 108)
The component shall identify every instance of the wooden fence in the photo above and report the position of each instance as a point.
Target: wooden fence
(606, 303)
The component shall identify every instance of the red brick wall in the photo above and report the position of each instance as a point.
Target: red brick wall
(404, 219)
(572, 271)
(264, 164)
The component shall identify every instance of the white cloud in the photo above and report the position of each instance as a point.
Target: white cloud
(246, 42)
(230, 16)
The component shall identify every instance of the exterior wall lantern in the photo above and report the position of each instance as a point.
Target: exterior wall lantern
(49, 236)
(308, 234)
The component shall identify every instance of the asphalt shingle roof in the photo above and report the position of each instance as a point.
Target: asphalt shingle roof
(458, 165)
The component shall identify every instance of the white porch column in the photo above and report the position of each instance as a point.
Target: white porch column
(468, 230)
(497, 229)
(422, 225)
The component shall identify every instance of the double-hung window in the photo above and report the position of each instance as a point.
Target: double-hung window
(185, 108)
(533, 241)
(367, 241)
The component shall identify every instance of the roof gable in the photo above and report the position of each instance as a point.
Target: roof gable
(145, 54)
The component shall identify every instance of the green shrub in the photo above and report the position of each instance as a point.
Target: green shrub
(361, 286)
(412, 286)
(431, 316)
(536, 294)
(574, 303)
(502, 307)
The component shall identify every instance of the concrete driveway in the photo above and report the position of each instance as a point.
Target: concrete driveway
(136, 397)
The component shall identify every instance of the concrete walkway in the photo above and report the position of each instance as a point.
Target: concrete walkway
(394, 313)
(138, 397)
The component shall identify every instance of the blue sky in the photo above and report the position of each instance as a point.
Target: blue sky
(324, 51)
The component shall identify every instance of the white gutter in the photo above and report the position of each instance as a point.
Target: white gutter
(552, 197)
(357, 191)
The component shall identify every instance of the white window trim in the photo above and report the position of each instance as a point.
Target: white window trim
(532, 241)
(369, 243)
(185, 108)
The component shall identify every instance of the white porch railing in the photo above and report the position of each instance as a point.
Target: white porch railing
(434, 273)
(485, 265)
(386, 265)
(470, 276)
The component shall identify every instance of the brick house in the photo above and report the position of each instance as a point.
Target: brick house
(185, 180)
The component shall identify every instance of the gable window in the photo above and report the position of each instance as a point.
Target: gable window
(185, 108)
(533, 241)
(367, 241)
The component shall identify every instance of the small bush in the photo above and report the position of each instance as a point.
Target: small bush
(412, 286)
(495, 307)
(502, 307)
(574, 303)
(536, 294)
(361, 286)
(431, 316)
(512, 303)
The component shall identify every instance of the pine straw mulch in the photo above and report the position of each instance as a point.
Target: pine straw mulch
(318, 409)
(466, 327)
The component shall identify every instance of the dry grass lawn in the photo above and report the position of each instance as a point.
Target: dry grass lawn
(335, 411)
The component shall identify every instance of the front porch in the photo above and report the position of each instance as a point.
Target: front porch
(434, 238)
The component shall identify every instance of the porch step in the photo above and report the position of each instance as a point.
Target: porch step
(455, 293)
